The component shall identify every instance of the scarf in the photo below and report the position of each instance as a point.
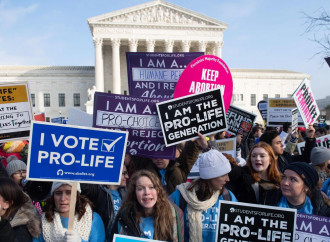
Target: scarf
(194, 210)
(54, 231)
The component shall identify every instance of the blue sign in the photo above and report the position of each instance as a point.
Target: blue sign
(126, 238)
(69, 153)
(57, 120)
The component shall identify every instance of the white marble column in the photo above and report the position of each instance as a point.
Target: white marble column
(133, 44)
(115, 43)
(218, 48)
(169, 43)
(185, 45)
(151, 45)
(202, 46)
(99, 73)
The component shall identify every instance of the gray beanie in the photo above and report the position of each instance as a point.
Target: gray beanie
(14, 165)
(213, 164)
(59, 184)
(320, 155)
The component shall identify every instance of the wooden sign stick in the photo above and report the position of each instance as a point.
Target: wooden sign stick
(72, 205)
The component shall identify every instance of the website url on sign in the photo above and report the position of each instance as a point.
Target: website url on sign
(60, 172)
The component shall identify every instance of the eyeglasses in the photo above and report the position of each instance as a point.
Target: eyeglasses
(125, 173)
(21, 172)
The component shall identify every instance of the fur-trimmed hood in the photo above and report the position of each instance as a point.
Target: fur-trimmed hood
(27, 215)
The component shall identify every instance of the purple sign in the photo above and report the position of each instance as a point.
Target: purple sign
(154, 75)
(136, 115)
(312, 228)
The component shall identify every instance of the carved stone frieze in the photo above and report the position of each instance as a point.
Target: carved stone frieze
(157, 14)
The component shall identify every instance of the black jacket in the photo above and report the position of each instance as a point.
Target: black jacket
(241, 184)
(7, 233)
(102, 201)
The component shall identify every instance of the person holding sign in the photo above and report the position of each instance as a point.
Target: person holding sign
(173, 172)
(299, 190)
(17, 208)
(87, 226)
(146, 212)
(252, 182)
(200, 199)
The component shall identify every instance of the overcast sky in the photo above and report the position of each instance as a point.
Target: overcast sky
(261, 34)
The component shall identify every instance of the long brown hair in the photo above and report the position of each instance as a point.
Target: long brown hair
(80, 208)
(272, 172)
(162, 212)
(13, 194)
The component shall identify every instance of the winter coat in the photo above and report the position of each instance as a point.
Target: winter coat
(26, 222)
(102, 201)
(177, 170)
(7, 233)
(245, 188)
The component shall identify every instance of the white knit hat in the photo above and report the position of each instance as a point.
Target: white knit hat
(59, 184)
(213, 164)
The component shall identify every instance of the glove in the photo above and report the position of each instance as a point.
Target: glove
(72, 236)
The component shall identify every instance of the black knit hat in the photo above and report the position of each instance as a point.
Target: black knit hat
(306, 172)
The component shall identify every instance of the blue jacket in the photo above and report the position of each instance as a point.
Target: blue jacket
(326, 187)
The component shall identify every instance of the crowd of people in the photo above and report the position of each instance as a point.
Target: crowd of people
(156, 200)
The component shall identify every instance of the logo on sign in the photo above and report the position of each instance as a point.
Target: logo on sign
(108, 145)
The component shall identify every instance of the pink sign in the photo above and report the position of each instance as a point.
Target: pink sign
(205, 73)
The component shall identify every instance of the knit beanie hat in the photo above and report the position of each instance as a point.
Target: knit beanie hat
(320, 155)
(306, 172)
(59, 184)
(14, 165)
(213, 164)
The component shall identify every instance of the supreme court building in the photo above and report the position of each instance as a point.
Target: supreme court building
(156, 26)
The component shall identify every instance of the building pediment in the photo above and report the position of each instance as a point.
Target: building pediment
(157, 12)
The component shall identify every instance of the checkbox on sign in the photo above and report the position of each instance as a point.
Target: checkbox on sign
(108, 145)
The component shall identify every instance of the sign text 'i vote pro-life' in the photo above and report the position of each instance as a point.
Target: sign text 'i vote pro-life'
(182, 118)
(59, 152)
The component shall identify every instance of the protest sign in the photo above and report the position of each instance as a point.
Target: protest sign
(182, 118)
(294, 122)
(262, 106)
(154, 75)
(57, 120)
(306, 103)
(255, 222)
(203, 74)
(126, 238)
(227, 146)
(312, 228)
(80, 118)
(239, 121)
(280, 112)
(40, 117)
(69, 153)
(323, 141)
(15, 111)
(136, 115)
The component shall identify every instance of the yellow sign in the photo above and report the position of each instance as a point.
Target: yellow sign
(13, 94)
(282, 103)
